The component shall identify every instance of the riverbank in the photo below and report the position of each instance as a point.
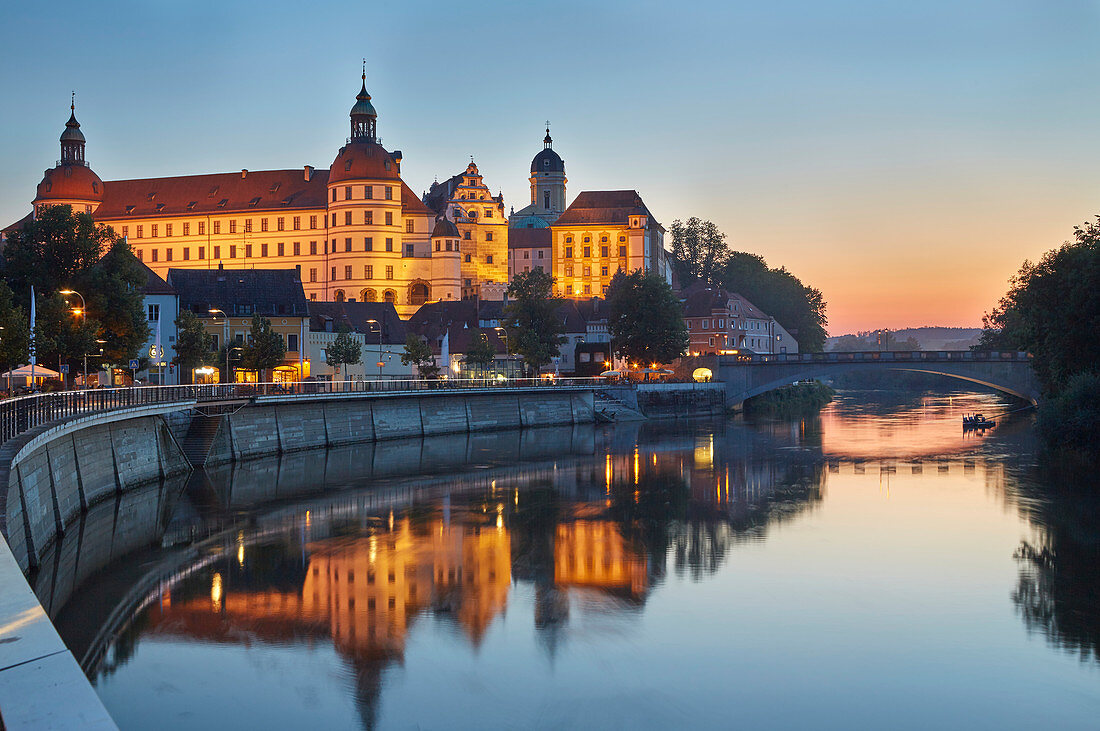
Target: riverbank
(799, 398)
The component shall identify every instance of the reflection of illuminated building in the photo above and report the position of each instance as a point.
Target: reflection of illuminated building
(593, 554)
(363, 592)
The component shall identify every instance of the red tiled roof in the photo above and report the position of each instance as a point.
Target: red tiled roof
(529, 238)
(261, 190)
(701, 300)
(154, 284)
(411, 203)
(604, 206)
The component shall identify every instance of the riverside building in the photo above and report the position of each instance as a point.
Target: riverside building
(355, 231)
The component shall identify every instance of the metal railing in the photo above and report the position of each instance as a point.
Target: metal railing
(957, 356)
(23, 413)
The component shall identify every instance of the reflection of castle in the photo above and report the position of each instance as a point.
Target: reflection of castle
(593, 554)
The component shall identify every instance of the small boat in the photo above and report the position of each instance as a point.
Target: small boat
(977, 421)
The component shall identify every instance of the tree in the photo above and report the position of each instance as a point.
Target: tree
(65, 250)
(266, 348)
(114, 296)
(15, 335)
(418, 353)
(194, 346)
(344, 349)
(1052, 310)
(699, 250)
(800, 309)
(54, 250)
(645, 318)
(480, 352)
(534, 329)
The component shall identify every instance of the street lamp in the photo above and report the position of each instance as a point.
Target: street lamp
(379, 346)
(83, 312)
(216, 311)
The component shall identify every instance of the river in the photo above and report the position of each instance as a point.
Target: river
(870, 566)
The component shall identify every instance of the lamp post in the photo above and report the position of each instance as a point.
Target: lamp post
(375, 322)
(216, 311)
(83, 312)
(86, 363)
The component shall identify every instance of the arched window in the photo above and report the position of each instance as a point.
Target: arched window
(418, 293)
(368, 295)
(390, 296)
(339, 295)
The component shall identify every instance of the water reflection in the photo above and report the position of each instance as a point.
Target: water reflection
(1058, 593)
(360, 588)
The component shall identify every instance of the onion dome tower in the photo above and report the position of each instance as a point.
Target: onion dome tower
(71, 182)
(548, 181)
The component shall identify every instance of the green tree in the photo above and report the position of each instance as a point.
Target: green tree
(344, 350)
(15, 335)
(53, 251)
(265, 349)
(534, 329)
(800, 309)
(1052, 310)
(113, 290)
(645, 318)
(194, 346)
(699, 250)
(480, 353)
(419, 353)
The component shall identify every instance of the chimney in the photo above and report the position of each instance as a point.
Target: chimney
(244, 172)
(308, 172)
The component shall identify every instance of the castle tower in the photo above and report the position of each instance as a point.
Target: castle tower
(71, 182)
(446, 260)
(547, 189)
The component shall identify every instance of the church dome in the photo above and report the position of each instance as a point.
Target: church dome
(70, 182)
(362, 102)
(445, 228)
(363, 160)
(547, 161)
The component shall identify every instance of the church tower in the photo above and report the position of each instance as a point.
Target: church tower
(547, 189)
(71, 182)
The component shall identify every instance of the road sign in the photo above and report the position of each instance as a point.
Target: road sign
(64, 367)
(133, 364)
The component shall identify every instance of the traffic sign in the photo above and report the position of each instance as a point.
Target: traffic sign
(133, 364)
(64, 367)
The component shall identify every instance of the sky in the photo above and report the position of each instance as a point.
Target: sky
(903, 158)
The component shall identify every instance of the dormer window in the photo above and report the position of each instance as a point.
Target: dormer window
(387, 164)
(213, 192)
(152, 195)
(129, 209)
(347, 166)
(275, 187)
(95, 187)
(254, 202)
(160, 207)
(191, 205)
(222, 202)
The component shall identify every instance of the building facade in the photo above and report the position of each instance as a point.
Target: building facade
(353, 231)
(601, 233)
(720, 322)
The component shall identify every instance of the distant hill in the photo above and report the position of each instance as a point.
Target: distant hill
(930, 338)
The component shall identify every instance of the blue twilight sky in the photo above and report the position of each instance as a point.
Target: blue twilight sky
(902, 157)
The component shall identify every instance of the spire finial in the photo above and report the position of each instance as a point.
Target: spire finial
(72, 104)
(547, 142)
(364, 70)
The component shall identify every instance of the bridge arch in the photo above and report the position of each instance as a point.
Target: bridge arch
(1008, 373)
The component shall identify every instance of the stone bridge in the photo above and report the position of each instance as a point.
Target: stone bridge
(748, 375)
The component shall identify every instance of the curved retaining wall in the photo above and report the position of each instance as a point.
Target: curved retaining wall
(54, 474)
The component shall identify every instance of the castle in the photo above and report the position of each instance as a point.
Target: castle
(357, 231)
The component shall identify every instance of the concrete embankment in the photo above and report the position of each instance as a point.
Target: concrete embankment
(54, 474)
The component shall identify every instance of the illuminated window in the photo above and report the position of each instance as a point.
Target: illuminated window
(368, 272)
(217, 227)
(280, 224)
(409, 226)
(248, 225)
(297, 223)
(233, 227)
(389, 272)
(153, 229)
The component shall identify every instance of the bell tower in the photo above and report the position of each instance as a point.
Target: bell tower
(72, 139)
(547, 181)
(364, 118)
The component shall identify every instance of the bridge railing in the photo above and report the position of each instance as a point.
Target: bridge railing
(967, 356)
(23, 413)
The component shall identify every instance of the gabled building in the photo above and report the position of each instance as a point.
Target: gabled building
(603, 232)
(719, 321)
(225, 300)
(466, 201)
